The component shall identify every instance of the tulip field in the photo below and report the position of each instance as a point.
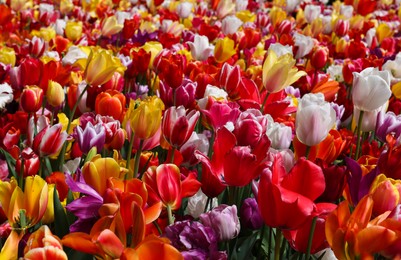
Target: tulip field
(191, 129)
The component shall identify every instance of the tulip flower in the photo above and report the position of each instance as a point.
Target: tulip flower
(286, 201)
(385, 194)
(146, 118)
(7, 56)
(165, 180)
(55, 94)
(314, 119)
(42, 244)
(200, 48)
(73, 30)
(224, 49)
(177, 127)
(304, 43)
(387, 123)
(171, 67)
(370, 89)
(6, 95)
(24, 209)
(91, 136)
(250, 215)
(31, 99)
(353, 235)
(224, 221)
(230, 24)
(279, 72)
(110, 103)
(110, 26)
(49, 140)
(101, 66)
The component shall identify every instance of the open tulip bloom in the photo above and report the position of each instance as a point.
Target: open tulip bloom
(189, 129)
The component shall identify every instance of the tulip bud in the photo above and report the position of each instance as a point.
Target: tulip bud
(31, 99)
(385, 194)
(224, 221)
(55, 94)
(250, 215)
(319, 57)
(110, 103)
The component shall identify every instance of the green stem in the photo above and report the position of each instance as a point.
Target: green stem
(312, 231)
(157, 227)
(138, 159)
(262, 108)
(172, 155)
(131, 142)
(269, 242)
(307, 152)
(277, 246)
(358, 135)
(170, 215)
(74, 108)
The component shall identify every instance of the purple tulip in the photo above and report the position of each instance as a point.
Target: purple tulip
(388, 123)
(224, 221)
(91, 136)
(194, 240)
(250, 215)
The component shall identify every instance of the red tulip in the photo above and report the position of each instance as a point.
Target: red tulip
(177, 126)
(31, 99)
(165, 180)
(48, 142)
(286, 200)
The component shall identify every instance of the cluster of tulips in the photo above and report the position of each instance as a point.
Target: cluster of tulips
(221, 129)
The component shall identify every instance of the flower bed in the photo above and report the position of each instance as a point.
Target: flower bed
(200, 129)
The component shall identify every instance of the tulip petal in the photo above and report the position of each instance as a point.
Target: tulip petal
(305, 178)
(110, 243)
(81, 242)
(369, 243)
(169, 184)
(154, 249)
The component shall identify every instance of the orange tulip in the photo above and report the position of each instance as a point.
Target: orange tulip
(110, 103)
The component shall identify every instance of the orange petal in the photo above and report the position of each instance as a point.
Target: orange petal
(81, 242)
(375, 239)
(110, 243)
(154, 249)
(44, 253)
(138, 225)
(153, 212)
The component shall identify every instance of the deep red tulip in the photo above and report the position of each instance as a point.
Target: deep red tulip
(31, 99)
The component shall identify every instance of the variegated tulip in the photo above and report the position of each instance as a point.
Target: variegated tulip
(279, 72)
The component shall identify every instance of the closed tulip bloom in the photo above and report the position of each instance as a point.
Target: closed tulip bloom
(314, 119)
(110, 103)
(387, 123)
(91, 136)
(55, 94)
(177, 125)
(370, 89)
(184, 9)
(230, 24)
(250, 215)
(279, 72)
(49, 140)
(385, 193)
(224, 221)
(280, 135)
(73, 30)
(224, 49)
(200, 48)
(146, 118)
(111, 26)
(31, 99)
(7, 56)
(101, 66)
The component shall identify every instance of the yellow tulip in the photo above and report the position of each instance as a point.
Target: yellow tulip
(277, 15)
(110, 26)
(55, 94)
(279, 72)
(24, 209)
(224, 49)
(45, 33)
(101, 66)
(98, 170)
(383, 31)
(7, 56)
(48, 217)
(73, 30)
(146, 118)
(154, 48)
(66, 6)
(246, 16)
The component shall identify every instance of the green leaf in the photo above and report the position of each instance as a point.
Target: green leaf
(60, 217)
(244, 246)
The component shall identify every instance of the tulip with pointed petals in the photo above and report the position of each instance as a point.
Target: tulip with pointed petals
(165, 180)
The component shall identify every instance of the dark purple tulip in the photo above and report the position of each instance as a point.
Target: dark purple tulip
(250, 215)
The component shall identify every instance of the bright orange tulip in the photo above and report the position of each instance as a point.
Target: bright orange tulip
(110, 103)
